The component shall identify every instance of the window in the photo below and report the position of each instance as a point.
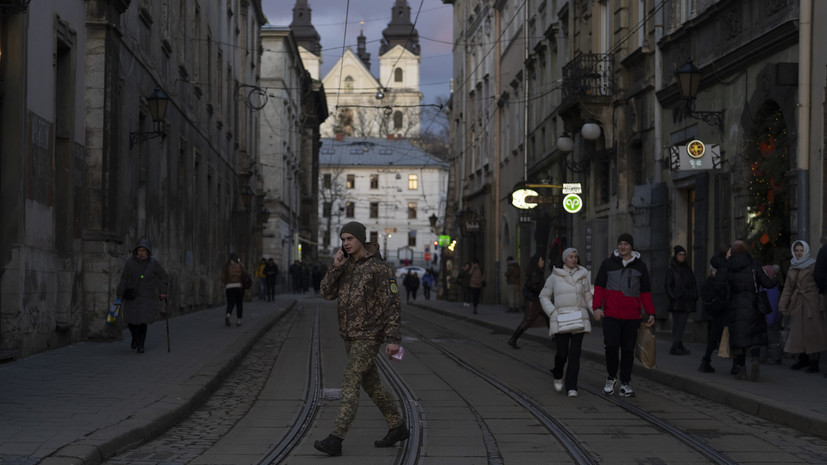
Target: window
(351, 181)
(397, 75)
(328, 181)
(411, 210)
(412, 238)
(374, 209)
(413, 183)
(350, 210)
(397, 120)
(374, 181)
(348, 85)
(326, 209)
(374, 237)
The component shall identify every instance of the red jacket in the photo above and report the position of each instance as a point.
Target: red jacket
(621, 291)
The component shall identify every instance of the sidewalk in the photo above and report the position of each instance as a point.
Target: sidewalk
(80, 403)
(792, 398)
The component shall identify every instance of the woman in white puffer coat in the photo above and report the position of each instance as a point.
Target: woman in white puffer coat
(567, 300)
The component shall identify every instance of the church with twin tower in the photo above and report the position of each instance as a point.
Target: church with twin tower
(360, 104)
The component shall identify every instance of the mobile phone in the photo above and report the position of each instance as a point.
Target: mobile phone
(344, 251)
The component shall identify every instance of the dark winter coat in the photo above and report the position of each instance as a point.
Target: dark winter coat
(534, 316)
(715, 296)
(820, 270)
(533, 286)
(149, 279)
(681, 287)
(411, 281)
(747, 325)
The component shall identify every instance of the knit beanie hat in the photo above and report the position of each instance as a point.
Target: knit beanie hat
(355, 228)
(678, 249)
(718, 262)
(568, 252)
(626, 237)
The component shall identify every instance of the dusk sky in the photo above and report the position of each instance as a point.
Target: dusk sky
(434, 25)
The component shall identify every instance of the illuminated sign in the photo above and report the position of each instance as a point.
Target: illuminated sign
(572, 203)
(518, 198)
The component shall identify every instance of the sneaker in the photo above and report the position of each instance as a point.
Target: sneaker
(609, 388)
(572, 392)
(400, 433)
(626, 390)
(331, 445)
(558, 385)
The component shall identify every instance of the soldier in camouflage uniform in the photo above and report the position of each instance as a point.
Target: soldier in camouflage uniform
(368, 296)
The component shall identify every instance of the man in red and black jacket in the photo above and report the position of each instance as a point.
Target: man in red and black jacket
(621, 289)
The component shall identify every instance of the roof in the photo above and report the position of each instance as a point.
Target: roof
(376, 152)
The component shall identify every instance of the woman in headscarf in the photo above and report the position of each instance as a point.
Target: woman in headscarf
(800, 300)
(567, 300)
(534, 316)
(144, 283)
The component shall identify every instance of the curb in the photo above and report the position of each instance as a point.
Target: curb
(157, 418)
(760, 407)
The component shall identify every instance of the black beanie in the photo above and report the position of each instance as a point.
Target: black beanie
(626, 237)
(718, 262)
(678, 249)
(355, 228)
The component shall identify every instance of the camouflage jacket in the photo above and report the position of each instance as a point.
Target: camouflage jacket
(368, 297)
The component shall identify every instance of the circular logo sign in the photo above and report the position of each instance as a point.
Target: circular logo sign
(695, 149)
(572, 203)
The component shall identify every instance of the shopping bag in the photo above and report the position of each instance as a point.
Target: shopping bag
(645, 348)
(114, 314)
(723, 349)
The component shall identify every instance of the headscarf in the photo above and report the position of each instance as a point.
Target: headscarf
(805, 261)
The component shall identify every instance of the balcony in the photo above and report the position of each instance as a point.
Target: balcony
(588, 74)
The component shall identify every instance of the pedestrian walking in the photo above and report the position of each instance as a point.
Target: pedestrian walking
(800, 300)
(271, 273)
(427, 283)
(512, 278)
(261, 279)
(533, 316)
(411, 283)
(566, 298)
(369, 314)
(683, 297)
(234, 291)
(463, 278)
(715, 297)
(621, 288)
(144, 283)
(476, 281)
(747, 325)
(295, 272)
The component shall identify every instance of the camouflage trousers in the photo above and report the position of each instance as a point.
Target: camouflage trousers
(361, 372)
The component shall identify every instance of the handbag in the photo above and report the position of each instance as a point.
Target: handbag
(569, 320)
(723, 348)
(646, 346)
(246, 280)
(763, 300)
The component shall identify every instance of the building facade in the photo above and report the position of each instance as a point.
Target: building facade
(596, 87)
(86, 172)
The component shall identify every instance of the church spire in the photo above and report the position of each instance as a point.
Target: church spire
(400, 30)
(306, 35)
(361, 50)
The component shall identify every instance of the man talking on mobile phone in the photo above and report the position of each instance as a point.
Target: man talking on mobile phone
(368, 302)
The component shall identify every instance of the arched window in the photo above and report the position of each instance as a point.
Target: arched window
(397, 75)
(348, 85)
(397, 120)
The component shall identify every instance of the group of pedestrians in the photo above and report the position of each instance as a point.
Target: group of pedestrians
(266, 275)
(471, 280)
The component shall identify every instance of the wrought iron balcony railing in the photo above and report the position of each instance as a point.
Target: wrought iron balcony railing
(588, 74)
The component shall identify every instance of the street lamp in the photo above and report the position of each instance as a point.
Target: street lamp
(689, 82)
(565, 143)
(590, 130)
(433, 218)
(157, 101)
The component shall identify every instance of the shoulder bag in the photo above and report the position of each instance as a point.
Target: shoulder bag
(762, 300)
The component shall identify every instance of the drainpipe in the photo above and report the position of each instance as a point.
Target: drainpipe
(658, 107)
(804, 64)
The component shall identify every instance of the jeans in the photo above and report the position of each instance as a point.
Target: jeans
(235, 298)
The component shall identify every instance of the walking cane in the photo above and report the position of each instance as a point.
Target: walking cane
(166, 311)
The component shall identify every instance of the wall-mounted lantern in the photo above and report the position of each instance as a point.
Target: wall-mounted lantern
(157, 101)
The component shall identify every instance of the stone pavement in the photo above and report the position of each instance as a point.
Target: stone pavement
(81, 403)
(792, 398)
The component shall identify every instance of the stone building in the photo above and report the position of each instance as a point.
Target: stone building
(588, 92)
(86, 172)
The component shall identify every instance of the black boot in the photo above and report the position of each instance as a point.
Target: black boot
(803, 361)
(813, 367)
(706, 367)
(400, 433)
(134, 342)
(141, 338)
(331, 445)
(513, 340)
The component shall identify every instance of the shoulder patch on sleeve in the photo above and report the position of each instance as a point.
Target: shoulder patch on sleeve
(394, 288)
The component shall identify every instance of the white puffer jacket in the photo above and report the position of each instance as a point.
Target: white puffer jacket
(566, 290)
